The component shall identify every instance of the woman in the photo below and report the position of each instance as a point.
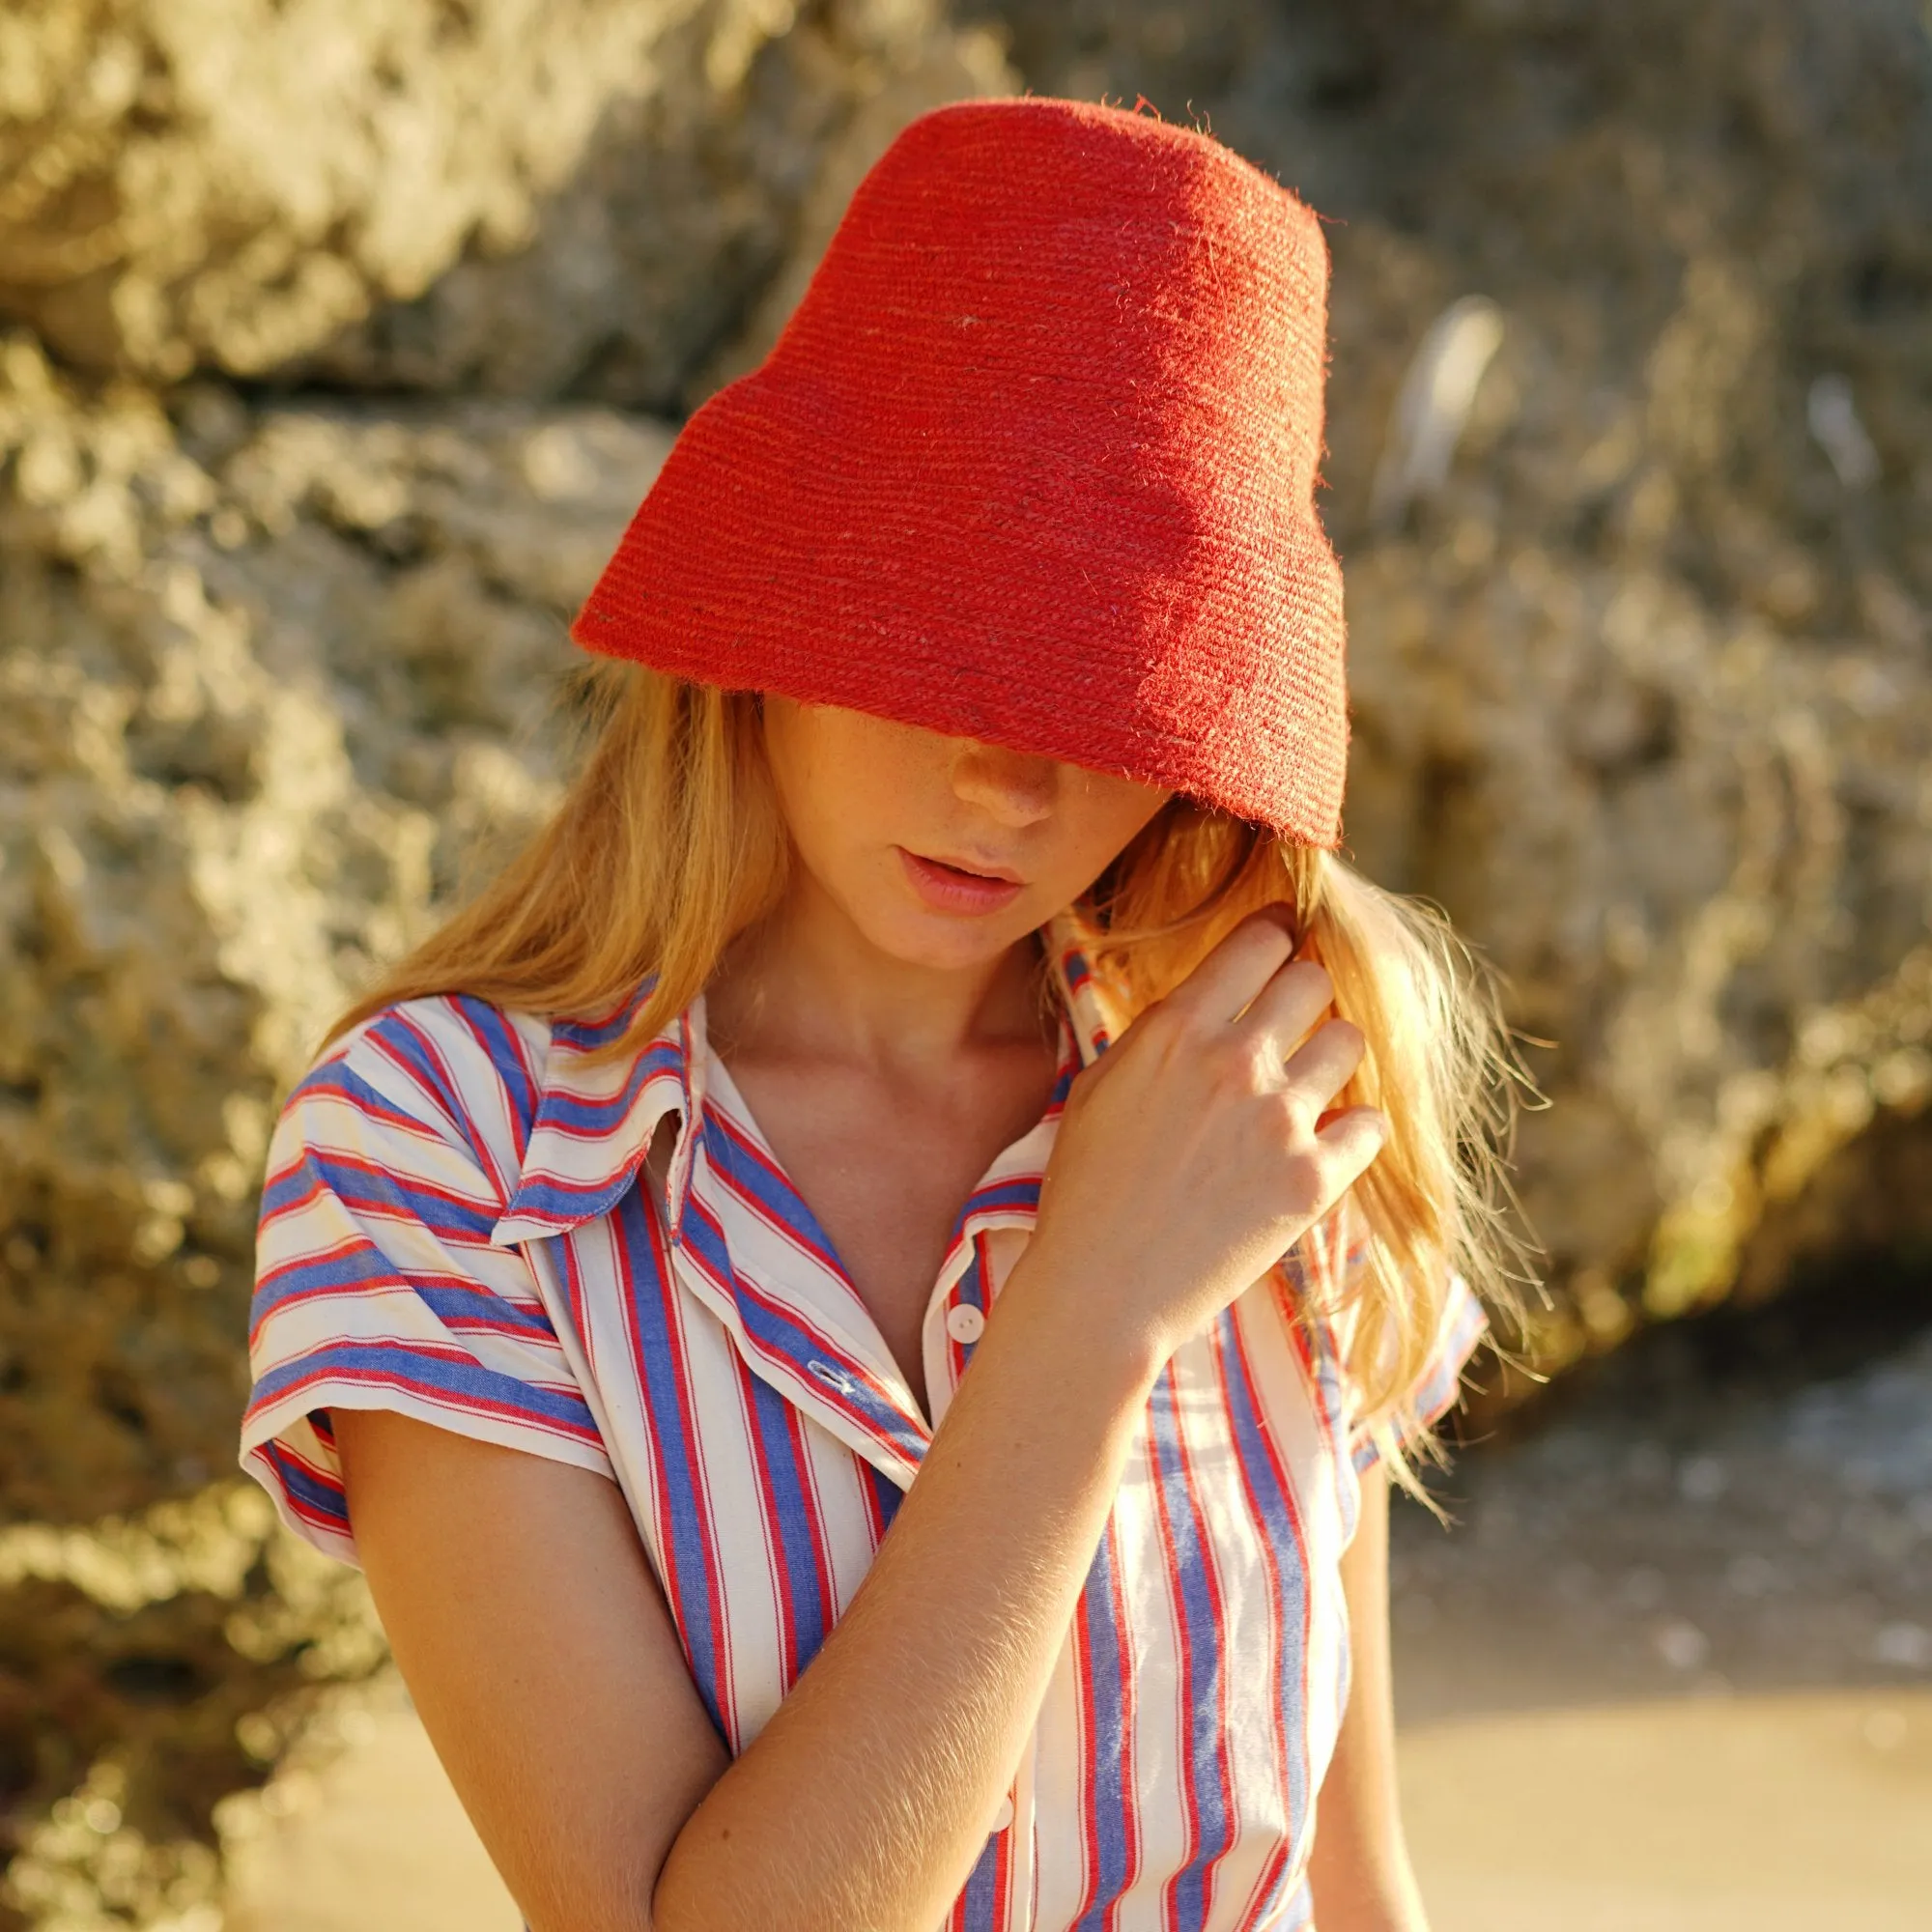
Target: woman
(757, 1144)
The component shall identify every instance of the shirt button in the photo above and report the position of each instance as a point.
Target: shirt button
(1004, 1816)
(964, 1322)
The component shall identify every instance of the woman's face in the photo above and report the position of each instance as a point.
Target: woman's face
(942, 851)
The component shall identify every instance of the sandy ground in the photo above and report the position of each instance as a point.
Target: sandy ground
(1754, 1814)
(376, 1842)
(1674, 1672)
(1764, 1815)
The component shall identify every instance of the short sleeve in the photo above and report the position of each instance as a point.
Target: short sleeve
(1337, 1254)
(377, 1283)
(1434, 1392)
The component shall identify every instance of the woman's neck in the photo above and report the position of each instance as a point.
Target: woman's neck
(807, 983)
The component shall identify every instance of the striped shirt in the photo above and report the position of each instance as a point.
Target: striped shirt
(459, 1225)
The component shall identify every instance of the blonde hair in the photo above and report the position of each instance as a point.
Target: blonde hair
(669, 844)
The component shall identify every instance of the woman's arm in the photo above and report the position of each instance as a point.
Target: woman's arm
(544, 1663)
(539, 1652)
(1360, 1872)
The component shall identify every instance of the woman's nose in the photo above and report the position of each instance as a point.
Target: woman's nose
(1014, 787)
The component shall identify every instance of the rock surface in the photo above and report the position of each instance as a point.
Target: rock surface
(1643, 682)
(273, 673)
(264, 679)
(1643, 692)
(269, 677)
(517, 197)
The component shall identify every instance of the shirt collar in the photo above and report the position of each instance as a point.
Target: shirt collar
(1092, 1011)
(596, 1119)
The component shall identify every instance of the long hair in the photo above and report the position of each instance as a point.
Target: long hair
(669, 844)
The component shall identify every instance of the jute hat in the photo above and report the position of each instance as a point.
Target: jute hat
(1033, 463)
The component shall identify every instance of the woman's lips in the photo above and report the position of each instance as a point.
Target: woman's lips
(956, 889)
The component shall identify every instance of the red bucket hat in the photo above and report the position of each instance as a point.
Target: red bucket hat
(1033, 463)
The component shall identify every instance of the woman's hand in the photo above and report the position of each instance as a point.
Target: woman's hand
(1194, 1153)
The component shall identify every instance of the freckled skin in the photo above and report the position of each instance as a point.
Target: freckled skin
(854, 788)
(889, 1048)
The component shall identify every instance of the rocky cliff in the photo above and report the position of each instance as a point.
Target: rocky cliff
(340, 339)
(1631, 468)
(500, 198)
(280, 665)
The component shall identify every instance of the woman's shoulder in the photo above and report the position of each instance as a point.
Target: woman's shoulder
(448, 1068)
(507, 1094)
(382, 1277)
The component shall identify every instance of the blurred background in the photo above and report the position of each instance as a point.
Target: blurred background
(338, 338)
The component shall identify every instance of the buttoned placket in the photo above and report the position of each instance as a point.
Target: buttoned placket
(769, 1273)
(992, 1231)
(833, 1364)
(766, 1271)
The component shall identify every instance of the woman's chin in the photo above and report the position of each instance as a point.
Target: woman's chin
(942, 942)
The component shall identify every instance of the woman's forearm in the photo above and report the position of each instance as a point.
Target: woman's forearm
(1360, 1872)
(869, 1795)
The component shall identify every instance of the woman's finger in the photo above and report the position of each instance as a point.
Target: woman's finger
(1228, 981)
(1291, 1003)
(1324, 1063)
(1353, 1137)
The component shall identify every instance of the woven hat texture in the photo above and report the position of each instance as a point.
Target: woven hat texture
(1033, 463)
